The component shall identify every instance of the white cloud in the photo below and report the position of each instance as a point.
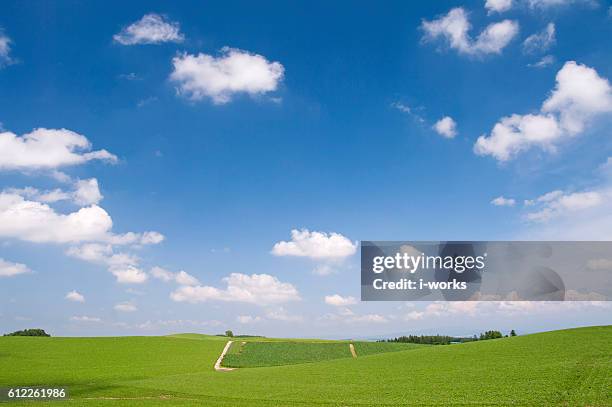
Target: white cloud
(87, 192)
(219, 78)
(495, 37)
(131, 238)
(162, 274)
(92, 252)
(150, 29)
(37, 222)
(247, 319)
(580, 94)
(557, 203)
(414, 315)
(129, 274)
(5, 50)
(125, 307)
(498, 6)
(181, 278)
(184, 278)
(454, 27)
(517, 133)
(10, 269)
(573, 215)
(123, 266)
(47, 149)
(540, 42)
(85, 318)
(75, 296)
(501, 201)
(542, 4)
(315, 245)
(281, 314)
(545, 61)
(368, 318)
(446, 127)
(413, 112)
(339, 301)
(260, 289)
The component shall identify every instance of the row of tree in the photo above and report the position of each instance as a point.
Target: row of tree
(445, 340)
(29, 332)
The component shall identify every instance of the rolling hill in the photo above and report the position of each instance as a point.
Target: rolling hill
(569, 367)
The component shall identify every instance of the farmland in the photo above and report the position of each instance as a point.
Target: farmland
(569, 367)
(261, 354)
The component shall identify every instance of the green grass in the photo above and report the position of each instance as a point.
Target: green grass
(258, 354)
(373, 348)
(567, 368)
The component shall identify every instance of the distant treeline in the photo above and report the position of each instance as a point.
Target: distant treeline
(446, 340)
(29, 332)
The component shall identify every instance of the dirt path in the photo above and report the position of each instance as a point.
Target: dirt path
(352, 348)
(218, 367)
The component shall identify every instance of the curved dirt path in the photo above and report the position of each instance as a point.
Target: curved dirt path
(218, 367)
(352, 348)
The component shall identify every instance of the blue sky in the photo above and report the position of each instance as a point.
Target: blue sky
(320, 118)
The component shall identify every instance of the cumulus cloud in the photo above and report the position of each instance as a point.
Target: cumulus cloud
(37, 222)
(86, 192)
(75, 296)
(34, 221)
(501, 201)
(47, 149)
(129, 275)
(454, 27)
(498, 6)
(446, 127)
(557, 203)
(260, 289)
(339, 301)
(579, 95)
(10, 269)
(540, 42)
(125, 307)
(315, 245)
(220, 78)
(5, 49)
(181, 278)
(150, 29)
(122, 265)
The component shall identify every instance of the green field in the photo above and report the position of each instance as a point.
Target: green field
(261, 354)
(571, 367)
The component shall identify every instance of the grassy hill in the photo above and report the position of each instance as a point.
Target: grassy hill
(569, 367)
